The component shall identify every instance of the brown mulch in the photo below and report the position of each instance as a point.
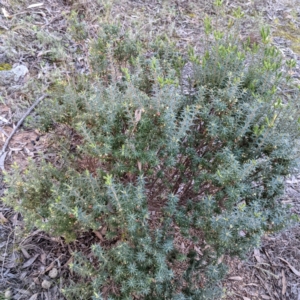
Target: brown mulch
(35, 265)
(270, 272)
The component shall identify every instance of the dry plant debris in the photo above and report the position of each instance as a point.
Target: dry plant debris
(39, 36)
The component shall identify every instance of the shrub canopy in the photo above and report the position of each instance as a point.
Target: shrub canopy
(170, 181)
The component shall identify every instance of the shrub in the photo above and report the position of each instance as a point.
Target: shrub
(149, 172)
(112, 51)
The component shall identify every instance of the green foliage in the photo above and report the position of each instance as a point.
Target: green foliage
(147, 166)
(112, 51)
(77, 26)
(115, 54)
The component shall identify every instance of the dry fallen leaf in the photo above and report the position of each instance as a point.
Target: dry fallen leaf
(220, 259)
(25, 253)
(139, 166)
(11, 264)
(257, 255)
(15, 220)
(290, 266)
(36, 280)
(28, 152)
(182, 246)
(3, 244)
(35, 5)
(237, 278)
(43, 258)
(34, 297)
(23, 275)
(103, 230)
(30, 261)
(23, 291)
(99, 235)
(198, 250)
(251, 284)
(43, 53)
(70, 261)
(4, 120)
(4, 134)
(5, 13)
(138, 115)
(2, 218)
(51, 265)
(15, 149)
(283, 283)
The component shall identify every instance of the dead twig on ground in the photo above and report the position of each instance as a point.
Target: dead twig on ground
(30, 109)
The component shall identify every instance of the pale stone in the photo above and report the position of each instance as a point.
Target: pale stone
(14, 75)
(46, 284)
(53, 273)
(8, 294)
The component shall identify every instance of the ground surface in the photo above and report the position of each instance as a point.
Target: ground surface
(43, 37)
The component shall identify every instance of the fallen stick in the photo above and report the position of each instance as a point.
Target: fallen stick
(30, 109)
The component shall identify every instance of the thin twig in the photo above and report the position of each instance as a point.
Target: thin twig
(268, 272)
(30, 109)
(5, 252)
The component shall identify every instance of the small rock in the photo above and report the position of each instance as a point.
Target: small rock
(53, 273)
(12, 76)
(8, 294)
(46, 284)
(19, 72)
